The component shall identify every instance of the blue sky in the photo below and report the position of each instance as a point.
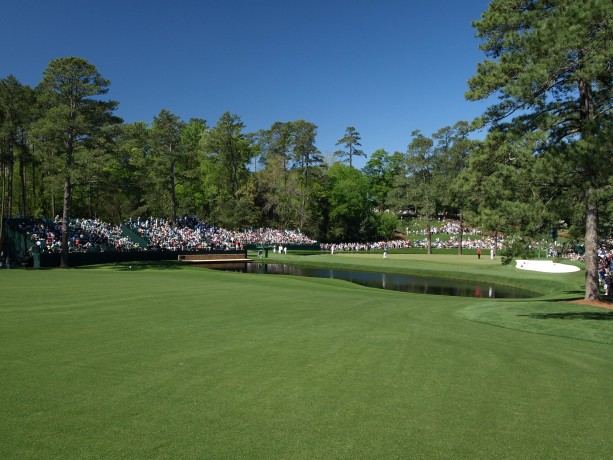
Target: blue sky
(386, 67)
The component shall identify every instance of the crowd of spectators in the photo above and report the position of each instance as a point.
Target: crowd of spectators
(472, 238)
(449, 227)
(188, 233)
(84, 235)
(485, 242)
(191, 233)
(605, 267)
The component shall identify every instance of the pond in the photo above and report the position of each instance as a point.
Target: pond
(395, 282)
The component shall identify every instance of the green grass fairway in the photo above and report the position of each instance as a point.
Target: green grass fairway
(167, 361)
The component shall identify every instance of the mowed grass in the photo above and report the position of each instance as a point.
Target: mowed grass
(178, 362)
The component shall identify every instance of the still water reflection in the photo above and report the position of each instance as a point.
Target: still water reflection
(395, 282)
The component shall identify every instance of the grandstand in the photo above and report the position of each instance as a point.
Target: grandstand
(92, 241)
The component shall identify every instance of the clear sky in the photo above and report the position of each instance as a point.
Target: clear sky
(386, 67)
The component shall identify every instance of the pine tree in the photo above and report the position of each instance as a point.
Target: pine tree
(351, 141)
(550, 64)
(73, 117)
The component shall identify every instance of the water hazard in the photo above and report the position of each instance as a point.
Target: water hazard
(395, 282)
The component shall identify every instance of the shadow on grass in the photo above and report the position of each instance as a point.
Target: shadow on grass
(585, 315)
(139, 265)
(567, 296)
(570, 296)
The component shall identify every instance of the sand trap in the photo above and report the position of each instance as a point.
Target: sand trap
(548, 266)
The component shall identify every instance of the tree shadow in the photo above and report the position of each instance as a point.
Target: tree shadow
(585, 315)
(571, 296)
(566, 296)
(139, 265)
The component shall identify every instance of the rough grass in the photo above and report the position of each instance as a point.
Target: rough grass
(163, 361)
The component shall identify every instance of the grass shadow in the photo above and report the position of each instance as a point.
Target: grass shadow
(581, 315)
(139, 265)
(569, 296)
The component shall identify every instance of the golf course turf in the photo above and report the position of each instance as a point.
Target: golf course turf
(171, 361)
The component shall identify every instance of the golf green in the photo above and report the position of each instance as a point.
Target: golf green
(167, 361)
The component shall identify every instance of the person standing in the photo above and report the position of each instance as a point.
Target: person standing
(478, 253)
(608, 284)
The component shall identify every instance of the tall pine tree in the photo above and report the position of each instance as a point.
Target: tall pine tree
(73, 116)
(550, 65)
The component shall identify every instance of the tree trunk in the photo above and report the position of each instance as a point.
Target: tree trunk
(2, 208)
(460, 235)
(495, 248)
(33, 205)
(65, 217)
(592, 287)
(66, 209)
(173, 191)
(52, 204)
(11, 167)
(429, 237)
(22, 177)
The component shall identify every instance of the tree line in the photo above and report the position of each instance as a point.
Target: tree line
(64, 152)
(543, 164)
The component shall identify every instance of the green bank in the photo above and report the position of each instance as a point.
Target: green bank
(167, 361)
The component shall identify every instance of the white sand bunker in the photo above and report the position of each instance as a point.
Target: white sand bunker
(548, 266)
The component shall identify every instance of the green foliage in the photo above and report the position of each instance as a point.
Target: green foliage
(305, 154)
(290, 183)
(167, 156)
(386, 225)
(517, 248)
(415, 186)
(381, 171)
(17, 104)
(451, 153)
(228, 152)
(129, 171)
(349, 204)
